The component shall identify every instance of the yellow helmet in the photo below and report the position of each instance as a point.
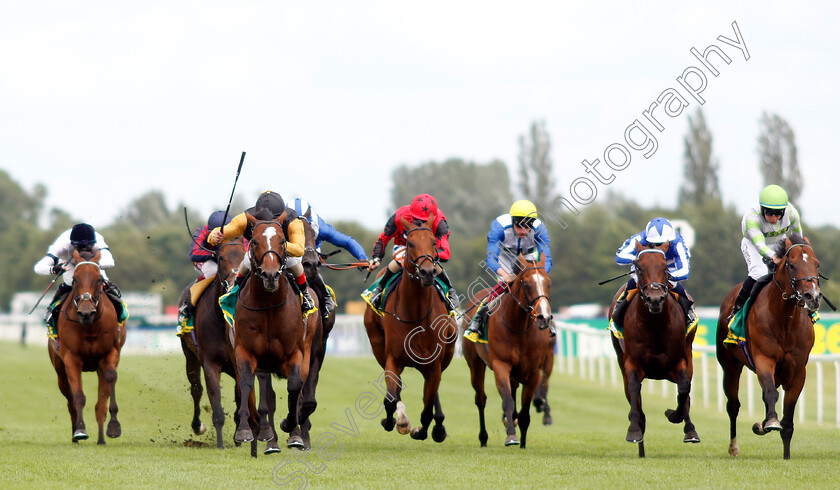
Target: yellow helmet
(523, 209)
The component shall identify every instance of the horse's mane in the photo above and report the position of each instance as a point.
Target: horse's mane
(779, 247)
(86, 254)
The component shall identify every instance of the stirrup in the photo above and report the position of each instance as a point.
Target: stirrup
(376, 298)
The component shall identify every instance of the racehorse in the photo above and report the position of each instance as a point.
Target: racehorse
(518, 345)
(208, 346)
(270, 334)
(779, 337)
(89, 339)
(655, 344)
(415, 331)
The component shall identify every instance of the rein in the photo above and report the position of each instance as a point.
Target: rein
(529, 308)
(87, 296)
(416, 276)
(654, 286)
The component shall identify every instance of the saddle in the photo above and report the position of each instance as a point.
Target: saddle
(391, 285)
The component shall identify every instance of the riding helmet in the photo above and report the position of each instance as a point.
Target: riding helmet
(659, 231)
(272, 201)
(215, 219)
(422, 207)
(773, 197)
(82, 235)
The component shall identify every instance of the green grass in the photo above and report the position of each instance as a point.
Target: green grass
(584, 448)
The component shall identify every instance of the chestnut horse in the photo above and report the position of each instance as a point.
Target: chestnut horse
(779, 338)
(415, 331)
(270, 334)
(208, 346)
(518, 345)
(655, 344)
(90, 339)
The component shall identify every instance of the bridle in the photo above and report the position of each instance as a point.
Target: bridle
(644, 289)
(78, 300)
(416, 262)
(281, 255)
(797, 295)
(531, 307)
(228, 280)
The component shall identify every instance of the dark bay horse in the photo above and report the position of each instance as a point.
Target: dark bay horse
(655, 344)
(518, 345)
(415, 331)
(270, 334)
(779, 338)
(90, 339)
(208, 346)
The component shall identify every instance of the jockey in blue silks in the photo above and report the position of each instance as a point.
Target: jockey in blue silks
(657, 232)
(326, 232)
(518, 232)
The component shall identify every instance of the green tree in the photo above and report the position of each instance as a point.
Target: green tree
(778, 155)
(536, 179)
(700, 168)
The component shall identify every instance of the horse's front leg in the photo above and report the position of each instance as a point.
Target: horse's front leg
(764, 370)
(528, 390)
(294, 385)
(636, 431)
(502, 373)
(430, 393)
(73, 365)
(193, 368)
(392, 401)
(681, 413)
(212, 373)
(792, 392)
(107, 374)
(267, 398)
(245, 367)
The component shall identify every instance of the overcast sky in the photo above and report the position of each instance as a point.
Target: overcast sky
(104, 101)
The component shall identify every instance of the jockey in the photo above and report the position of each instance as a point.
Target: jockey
(203, 259)
(326, 232)
(59, 260)
(657, 232)
(271, 204)
(518, 232)
(762, 226)
(421, 207)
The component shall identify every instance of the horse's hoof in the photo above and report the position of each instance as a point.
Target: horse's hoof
(758, 429)
(733, 448)
(635, 436)
(287, 426)
(539, 404)
(438, 433)
(201, 429)
(271, 447)
(419, 434)
(80, 435)
(404, 428)
(511, 441)
(673, 416)
(772, 425)
(266, 434)
(243, 435)
(547, 420)
(691, 436)
(388, 424)
(114, 430)
(295, 442)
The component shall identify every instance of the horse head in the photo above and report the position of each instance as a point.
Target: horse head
(421, 255)
(311, 259)
(87, 285)
(533, 288)
(652, 275)
(800, 268)
(267, 249)
(229, 256)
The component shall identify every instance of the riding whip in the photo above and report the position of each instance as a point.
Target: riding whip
(239, 169)
(614, 278)
(45, 292)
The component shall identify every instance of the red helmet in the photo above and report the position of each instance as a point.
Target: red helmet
(422, 206)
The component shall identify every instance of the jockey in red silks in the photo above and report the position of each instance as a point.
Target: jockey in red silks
(421, 207)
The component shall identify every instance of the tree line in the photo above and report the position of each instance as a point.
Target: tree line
(150, 242)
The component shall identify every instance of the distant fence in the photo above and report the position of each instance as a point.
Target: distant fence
(587, 352)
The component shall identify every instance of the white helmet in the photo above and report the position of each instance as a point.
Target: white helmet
(659, 231)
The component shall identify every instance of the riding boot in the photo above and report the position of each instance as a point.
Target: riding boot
(473, 331)
(452, 299)
(618, 311)
(376, 293)
(687, 306)
(306, 303)
(186, 310)
(743, 294)
(52, 308)
(328, 305)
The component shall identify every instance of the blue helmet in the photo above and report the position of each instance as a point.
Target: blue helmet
(215, 220)
(82, 235)
(659, 231)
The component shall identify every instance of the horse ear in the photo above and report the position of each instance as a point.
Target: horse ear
(282, 217)
(77, 257)
(430, 221)
(96, 256)
(806, 240)
(541, 262)
(639, 246)
(788, 243)
(405, 222)
(308, 214)
(665, 246)
(251, 219)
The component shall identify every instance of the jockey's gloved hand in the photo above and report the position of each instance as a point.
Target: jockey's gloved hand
(58, 269)
(768, 261)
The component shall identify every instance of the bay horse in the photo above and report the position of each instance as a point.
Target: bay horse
(518, 345)
(208, 345)
(270, 334)
(415, 331)
(779, 337)
(655, 344)
(89, 339)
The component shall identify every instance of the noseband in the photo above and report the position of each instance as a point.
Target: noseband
(226, 281)
(797, 295)
(531, 307)
(417, 261)
(281, 256)
(651, 286)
